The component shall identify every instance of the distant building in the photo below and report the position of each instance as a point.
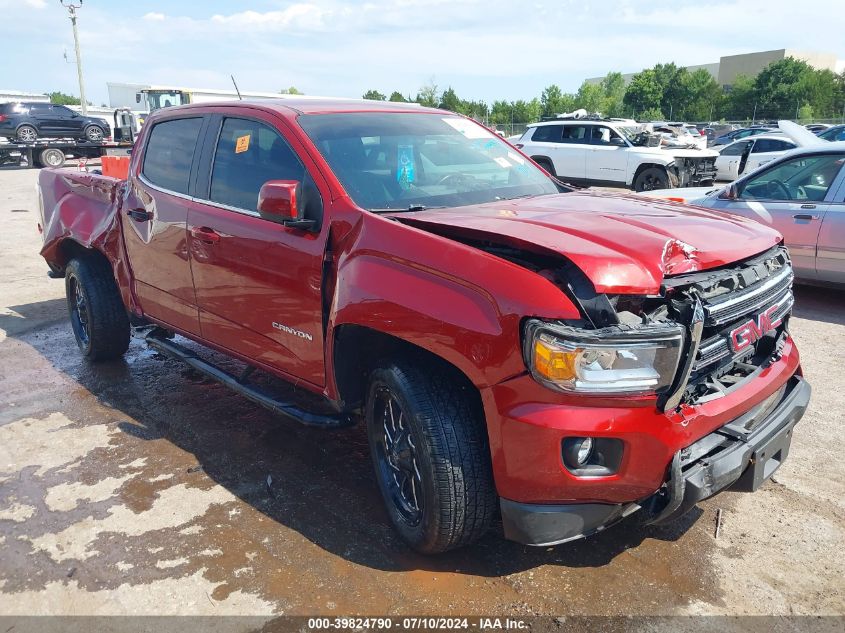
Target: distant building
(729, 67)
(7, 96)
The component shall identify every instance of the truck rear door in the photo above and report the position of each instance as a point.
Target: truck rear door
(258, 284)
(155, 216)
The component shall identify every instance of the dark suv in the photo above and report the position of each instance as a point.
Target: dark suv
(26, 121)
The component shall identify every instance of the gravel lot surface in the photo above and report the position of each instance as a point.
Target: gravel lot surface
(135, 487)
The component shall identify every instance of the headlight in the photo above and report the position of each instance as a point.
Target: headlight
(629, 360)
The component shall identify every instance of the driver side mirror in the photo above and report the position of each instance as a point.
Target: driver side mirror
(278, 202)
(618, 142)
(730, 192)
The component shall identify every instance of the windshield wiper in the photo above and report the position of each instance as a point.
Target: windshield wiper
(409, 209)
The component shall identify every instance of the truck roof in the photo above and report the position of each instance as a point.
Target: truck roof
(313, 105)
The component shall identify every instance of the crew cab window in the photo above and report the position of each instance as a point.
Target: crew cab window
(547, 134)
(576, 134)
(735, 149)
(801, 178)
(249, 154)
(170, 152)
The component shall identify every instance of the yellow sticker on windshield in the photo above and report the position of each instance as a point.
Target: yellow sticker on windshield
(241, 144)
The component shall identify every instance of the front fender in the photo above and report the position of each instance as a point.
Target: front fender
(459, 303)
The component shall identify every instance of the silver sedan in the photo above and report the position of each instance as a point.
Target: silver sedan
(802, 195)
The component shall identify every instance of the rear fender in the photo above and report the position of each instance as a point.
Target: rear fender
(81, 213)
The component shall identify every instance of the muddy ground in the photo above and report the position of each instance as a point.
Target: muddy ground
(134, 487)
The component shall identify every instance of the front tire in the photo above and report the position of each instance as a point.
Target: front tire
(94, 133)
(27, 134)
(429, 447)
(97, 316)
(650, 179)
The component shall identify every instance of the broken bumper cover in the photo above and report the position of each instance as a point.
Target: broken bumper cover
(743, 454)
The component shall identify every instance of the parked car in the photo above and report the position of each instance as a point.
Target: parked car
(802, 195)
(834, 133)
(558, 358)
(29, 121)
(743, 156)
(817, 127)
(603, 152)
(736, 135)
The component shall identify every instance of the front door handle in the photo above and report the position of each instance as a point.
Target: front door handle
(805, 216)
(205, 234)
(140, 215)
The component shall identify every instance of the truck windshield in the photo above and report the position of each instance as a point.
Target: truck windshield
(158, 99)
(399, 161)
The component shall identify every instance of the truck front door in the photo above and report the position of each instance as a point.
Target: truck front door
(258, 284)
(155, 215)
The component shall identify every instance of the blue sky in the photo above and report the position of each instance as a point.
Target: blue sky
(485, 49)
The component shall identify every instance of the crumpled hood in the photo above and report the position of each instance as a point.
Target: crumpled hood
(622, 242)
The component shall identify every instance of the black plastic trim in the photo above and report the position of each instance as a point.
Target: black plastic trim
(286, 409)
(543, 525)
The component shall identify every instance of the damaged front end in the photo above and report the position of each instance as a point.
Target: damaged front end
(692, 171)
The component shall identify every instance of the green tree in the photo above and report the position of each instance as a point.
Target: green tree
(374, 95)
(449, 101)
(590, 97)
(643, 93)
(613, 86)
(61, 98)
(428, 95)
(704, 97)
(397, 97)
(290, 91)
(740, 99)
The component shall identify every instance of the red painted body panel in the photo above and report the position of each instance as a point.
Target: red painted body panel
(405, 277)
(527, 423)
(618, 240)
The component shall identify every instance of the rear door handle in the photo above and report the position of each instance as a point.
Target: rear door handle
(205, 234)
(140, 215)
(805, 216)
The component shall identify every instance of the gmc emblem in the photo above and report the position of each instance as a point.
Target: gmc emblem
(745, 335)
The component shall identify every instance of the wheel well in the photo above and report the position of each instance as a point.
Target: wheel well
(542, 159)
(71, 249)
(358, 350)
(645, 166)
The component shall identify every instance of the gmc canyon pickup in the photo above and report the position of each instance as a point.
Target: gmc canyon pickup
(556, 357)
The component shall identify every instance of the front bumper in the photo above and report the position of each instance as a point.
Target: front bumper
(743, 453)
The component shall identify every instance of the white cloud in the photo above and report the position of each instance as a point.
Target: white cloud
(154, 17)
(37, 4)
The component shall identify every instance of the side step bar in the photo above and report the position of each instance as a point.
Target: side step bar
(254, 393)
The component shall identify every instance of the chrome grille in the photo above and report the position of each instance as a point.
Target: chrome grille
(716, 347)
(749, 300)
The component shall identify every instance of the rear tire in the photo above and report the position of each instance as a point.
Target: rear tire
(27, 134)
(94, 133)
(429, 447)
(650, 179)
(97, 315)
(51, 157)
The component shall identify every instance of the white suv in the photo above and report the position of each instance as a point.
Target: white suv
(597, 152)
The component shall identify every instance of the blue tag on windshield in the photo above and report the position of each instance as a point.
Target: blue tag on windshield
(405, 166)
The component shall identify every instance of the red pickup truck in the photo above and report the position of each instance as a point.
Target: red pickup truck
(560, 358)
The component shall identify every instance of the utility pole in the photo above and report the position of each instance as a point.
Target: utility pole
(71, 9)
